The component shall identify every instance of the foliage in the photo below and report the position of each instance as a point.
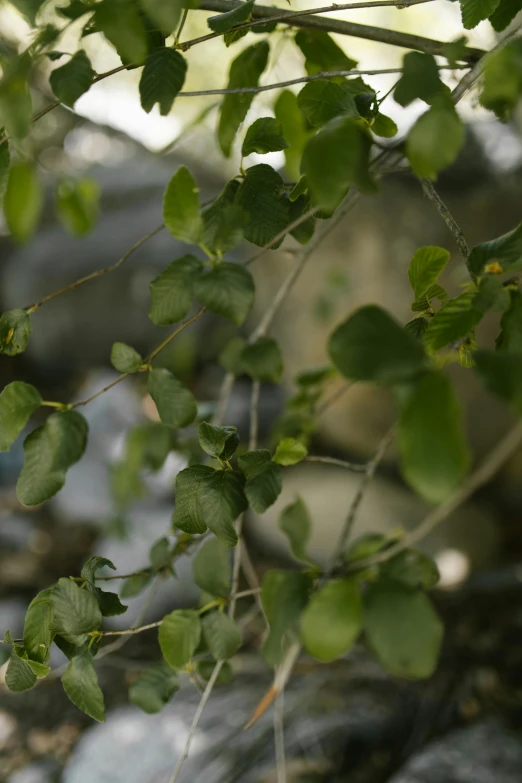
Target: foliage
(375, 589)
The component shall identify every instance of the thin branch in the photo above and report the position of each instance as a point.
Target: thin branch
(224, 398)
(369, 473)
(247, 593)
(476, 72)
(484, 473)
(288, 17)
(254, 415)
(93, 275)
(131, 631)
(141, 572)
(149, 358)
(300, 80)
(279, 737)
(392, 37)
(442, 209)
(353, 466)
(282, 234)
(340, 392)
(197, 717)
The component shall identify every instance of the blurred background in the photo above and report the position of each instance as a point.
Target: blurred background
(345, 722)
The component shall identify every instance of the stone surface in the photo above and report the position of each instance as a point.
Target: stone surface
(487, 752)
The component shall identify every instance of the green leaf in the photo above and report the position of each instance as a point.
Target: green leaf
(19, 675)
(262, 360)
(336, 158)
(452, 322)
(80, 683)
(433, 448)
(435, 140)
(504, 14)
(15, 97)
(135, 585)
(475, 11)
(226, 21)
(181, 207)
(502, 82)
(412, 569)
(297, 209)
(244, 72)
(322, 53)
(332, 620)
(223, 221)
(161, 79)
(77, 204)
(211, 568)
(179, 636)
(284, 595)
(221, 635)
(153, 689)
(93, 565)
(425, 267)
(109, 603)
(296, 524)
(205, 669)
(230, 356)
(72, 80)
(172, 292)
(5, 160)
(23, 201)
(501, 373)
(125, 358)
(423, 304)
(40, 669)
(371, 346)
(176, 405)
(258, 196)
(164, 15)
(492, 295)
(420, 79)
(215, 440)
(122, 25)
(289, 452)
(207, 497)
(76, 612)
(402, 629)
(263, 479)
(160, 555)
(15, 329)
(49, 452)
(504, 252)
(18, 401)
(295, 131)
(322, 100)
(384, 126)
(264, 135)
(228, 290)
(510, 337)
(38, 634)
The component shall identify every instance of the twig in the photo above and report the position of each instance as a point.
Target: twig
(131, 631)
(353, 466)
(149, 358)
(109, 578)
(442, 209)
(93, 275)
(246, 593)
(367, 32)
(224, 398)
(471, 77)
(289, 17)
(340, 392)
(300, 80)
(493, 462)
(279, 737)
(197, 717)
(371, 467)
(254, 415)
(282, 234)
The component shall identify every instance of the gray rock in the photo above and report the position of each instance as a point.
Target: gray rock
(319, 718)
(487, 752)
(34, 773)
